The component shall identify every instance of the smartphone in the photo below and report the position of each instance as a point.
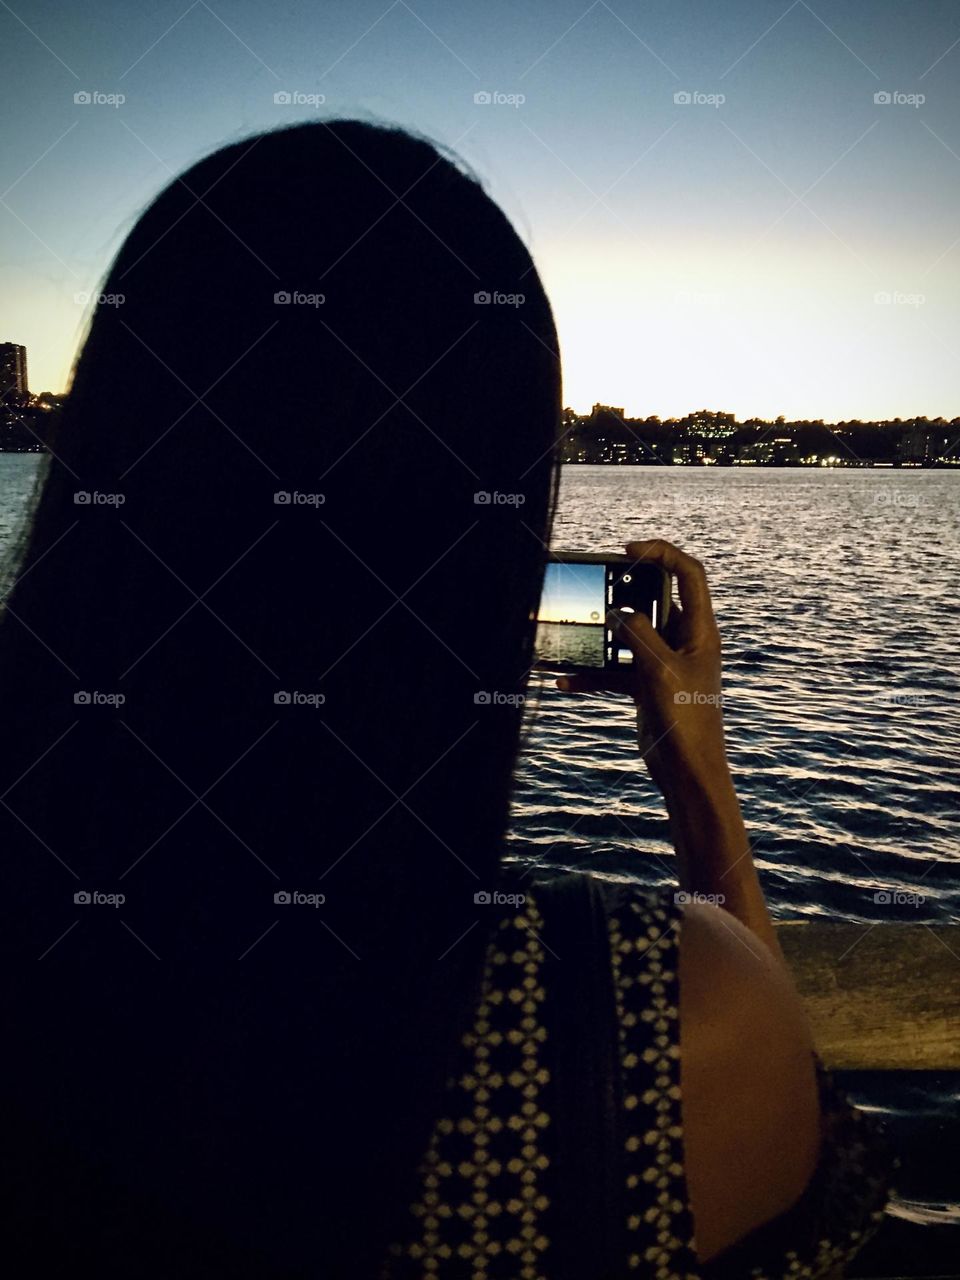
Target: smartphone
(578, 589)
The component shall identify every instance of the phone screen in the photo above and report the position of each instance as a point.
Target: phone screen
(571, 621)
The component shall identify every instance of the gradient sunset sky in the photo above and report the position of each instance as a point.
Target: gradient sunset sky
(573, 593)
(793, 248)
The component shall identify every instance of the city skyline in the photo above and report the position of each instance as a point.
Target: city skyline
(752, 207)
(15, 392)
(609, 435)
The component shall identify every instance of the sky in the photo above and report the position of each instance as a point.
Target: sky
(573, 593)
(751, 206)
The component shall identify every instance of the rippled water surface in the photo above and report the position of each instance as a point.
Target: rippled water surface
(837, 597)
(18, 472)
(836, 592)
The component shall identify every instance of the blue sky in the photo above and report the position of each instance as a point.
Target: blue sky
(573, 593)
(781, 243)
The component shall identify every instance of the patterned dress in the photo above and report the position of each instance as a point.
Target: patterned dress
(515, 1185)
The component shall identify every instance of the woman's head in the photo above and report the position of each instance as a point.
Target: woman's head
(295, 519)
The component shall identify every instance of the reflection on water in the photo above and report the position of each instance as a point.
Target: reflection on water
(836, 593)
(836, 596)
(18, 473)
(562, 643)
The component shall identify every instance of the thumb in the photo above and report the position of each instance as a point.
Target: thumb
(645, 738)
(637, 632)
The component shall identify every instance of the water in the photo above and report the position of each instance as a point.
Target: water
(836, 594)
(580, 643)
(18, 473)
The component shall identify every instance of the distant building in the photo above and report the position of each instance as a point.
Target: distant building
(601, 410)
(923, 445)
(711, 426)
(13, 372)
(690, 453)
(781, 451)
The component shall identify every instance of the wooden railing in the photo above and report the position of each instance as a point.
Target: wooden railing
(880, 997)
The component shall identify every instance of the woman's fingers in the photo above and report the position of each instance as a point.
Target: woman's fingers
(673, 632)
(633, 631)
(637, 632)
(691, 581)
(690, 630)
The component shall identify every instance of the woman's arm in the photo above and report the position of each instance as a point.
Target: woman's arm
(751, 1121)
(677, 687)
(750, 1109)
(714, 857)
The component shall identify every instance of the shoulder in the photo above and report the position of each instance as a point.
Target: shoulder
(750, 1106)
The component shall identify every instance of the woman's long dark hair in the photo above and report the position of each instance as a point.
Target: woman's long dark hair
(268, 638)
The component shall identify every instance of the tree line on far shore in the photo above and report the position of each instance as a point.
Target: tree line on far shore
(705, 437)
(708, 436)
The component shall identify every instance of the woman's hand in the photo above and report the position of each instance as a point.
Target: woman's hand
(675, 679)
(675, 682)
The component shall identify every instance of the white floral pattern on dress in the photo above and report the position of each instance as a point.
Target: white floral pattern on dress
(484, 1207)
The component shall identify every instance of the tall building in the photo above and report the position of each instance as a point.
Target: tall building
(606, 410)
(13, 372)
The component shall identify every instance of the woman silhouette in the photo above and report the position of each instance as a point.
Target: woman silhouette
(254, 787)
